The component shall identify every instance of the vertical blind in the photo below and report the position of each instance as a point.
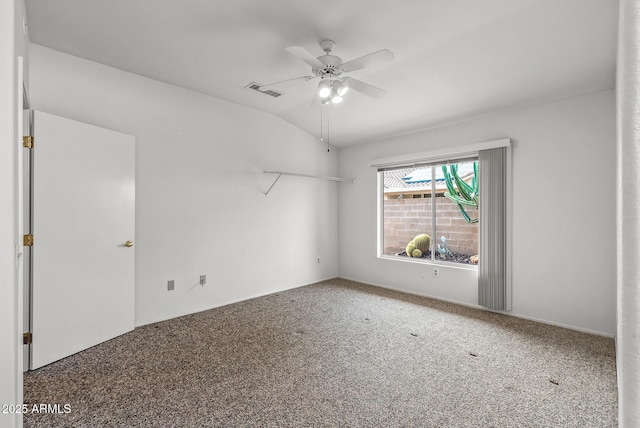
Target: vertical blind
(493, 283)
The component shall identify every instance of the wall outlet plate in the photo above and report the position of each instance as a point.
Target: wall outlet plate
(436, 273)
(171, 285)
(203, 279)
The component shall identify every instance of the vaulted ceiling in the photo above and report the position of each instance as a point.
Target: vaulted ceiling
(454, 59)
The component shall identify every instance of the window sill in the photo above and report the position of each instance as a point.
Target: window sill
(452, 265)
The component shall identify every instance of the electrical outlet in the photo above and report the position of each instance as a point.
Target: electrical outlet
(318, 260)
(203, 280)
(436, 273)
(171, 285)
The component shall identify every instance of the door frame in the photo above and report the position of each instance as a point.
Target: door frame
(22, 100)
(26, 191)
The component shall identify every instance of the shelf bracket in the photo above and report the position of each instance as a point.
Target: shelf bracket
(274, 183)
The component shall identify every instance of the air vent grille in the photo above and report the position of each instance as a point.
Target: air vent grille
(256, 87)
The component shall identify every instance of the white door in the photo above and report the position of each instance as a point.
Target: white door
(83, 214)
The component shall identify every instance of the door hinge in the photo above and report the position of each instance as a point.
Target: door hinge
(27, 141)
(28, 240)
(27, 338)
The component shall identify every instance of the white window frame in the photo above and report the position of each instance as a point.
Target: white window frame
(431, 157)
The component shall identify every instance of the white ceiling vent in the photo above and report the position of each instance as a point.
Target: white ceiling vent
(256, 87)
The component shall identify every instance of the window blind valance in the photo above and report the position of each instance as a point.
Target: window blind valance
(439, 156)
(434, 162)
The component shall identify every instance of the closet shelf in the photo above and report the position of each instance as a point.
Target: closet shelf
(281, 173)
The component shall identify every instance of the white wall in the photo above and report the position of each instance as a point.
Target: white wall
(200, 203)
(8, 310)
(628, 227)
(12, 45)
(564, 235)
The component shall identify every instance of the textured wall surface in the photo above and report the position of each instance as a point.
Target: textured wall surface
(628, 226)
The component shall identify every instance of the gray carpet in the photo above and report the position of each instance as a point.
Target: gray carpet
(337, 353)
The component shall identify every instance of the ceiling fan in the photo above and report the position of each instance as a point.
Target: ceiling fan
(330, 69)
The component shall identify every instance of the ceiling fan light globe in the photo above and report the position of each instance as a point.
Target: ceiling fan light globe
(340, 88)
(336, 99)
(324, 92)
(324, 89)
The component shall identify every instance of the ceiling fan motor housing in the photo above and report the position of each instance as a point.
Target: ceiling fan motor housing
(332, 66)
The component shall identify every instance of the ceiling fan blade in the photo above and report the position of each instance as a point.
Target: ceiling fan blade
(306, 78)
(379, 57)
(304, 55)
(363, 88)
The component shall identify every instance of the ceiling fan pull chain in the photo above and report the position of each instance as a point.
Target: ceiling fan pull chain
(321, 127)
(328, 111)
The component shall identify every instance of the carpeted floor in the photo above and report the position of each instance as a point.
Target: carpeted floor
(335, 354)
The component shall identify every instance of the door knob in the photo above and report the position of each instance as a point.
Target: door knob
(128, 244)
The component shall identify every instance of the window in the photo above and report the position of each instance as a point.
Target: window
(426, 214)
(427, 175)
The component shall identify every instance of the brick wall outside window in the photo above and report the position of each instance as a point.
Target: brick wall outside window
(406, 218)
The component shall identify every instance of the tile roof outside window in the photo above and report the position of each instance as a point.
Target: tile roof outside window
(419, 179)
